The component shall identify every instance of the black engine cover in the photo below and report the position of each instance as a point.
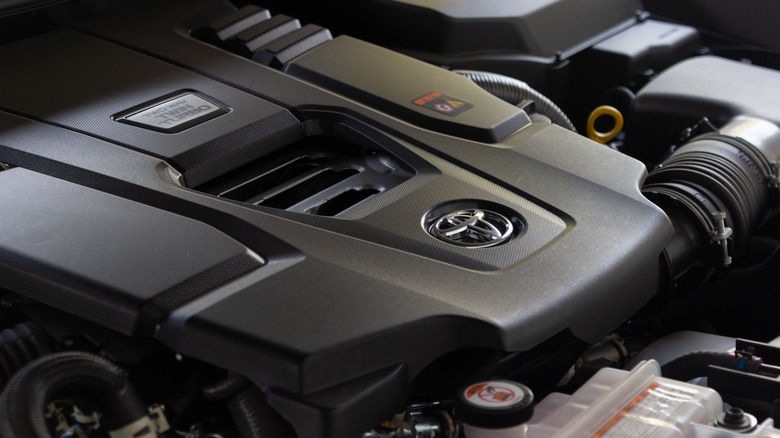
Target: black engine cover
(334, 315)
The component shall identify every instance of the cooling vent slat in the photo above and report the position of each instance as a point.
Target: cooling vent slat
(307, 188)
(326, 180)
(244, 186)
(342, 202)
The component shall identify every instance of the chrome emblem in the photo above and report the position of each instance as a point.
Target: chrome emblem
(473, 228)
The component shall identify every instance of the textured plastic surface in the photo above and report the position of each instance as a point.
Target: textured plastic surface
(249, 41)
(531, 40)
(690, 90)
(462, 27)
(286, 48)
(436, 99)
(86, 97)
(621, 404)
(227, 26)
(679, 344)
(694, 88)
(650, 44)
(314, 323)
(746, 21)
(104, 258)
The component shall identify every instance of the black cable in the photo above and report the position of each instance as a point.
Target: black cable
(515, 91)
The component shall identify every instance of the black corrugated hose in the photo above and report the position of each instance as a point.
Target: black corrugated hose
(515, 91)
(251, 413)
(18, 347)
(225, 387)
(70, 374)
(255, 418)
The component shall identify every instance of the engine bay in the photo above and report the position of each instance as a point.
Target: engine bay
(441, 219)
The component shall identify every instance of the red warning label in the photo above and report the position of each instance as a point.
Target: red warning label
(494, 394)
(497, 394)
(442, 104)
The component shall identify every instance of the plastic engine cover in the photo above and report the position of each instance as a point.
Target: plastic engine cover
(334, 315)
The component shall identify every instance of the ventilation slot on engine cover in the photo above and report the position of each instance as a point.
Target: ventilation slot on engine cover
(320, 175)
(254, 33)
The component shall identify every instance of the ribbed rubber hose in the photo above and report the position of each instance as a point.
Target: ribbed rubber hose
(18, 347)
(515, 91)
(225, 388)
(77, 375)
(255, 418)
(711, 177)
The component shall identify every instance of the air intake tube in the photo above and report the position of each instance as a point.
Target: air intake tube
(718, 190)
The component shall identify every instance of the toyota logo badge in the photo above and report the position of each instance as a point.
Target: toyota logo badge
(473, 228)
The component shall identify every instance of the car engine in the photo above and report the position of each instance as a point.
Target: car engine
(414, 219)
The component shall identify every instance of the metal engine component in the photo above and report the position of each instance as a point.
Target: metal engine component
(420, 421)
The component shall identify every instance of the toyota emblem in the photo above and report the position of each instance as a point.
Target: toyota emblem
(472, 228)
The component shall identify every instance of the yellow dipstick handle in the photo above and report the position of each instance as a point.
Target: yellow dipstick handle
(603, 137)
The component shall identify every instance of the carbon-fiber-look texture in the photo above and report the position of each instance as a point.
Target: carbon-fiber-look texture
(199, 284)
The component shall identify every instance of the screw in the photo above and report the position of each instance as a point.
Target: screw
(735, 416)
(737, 420)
